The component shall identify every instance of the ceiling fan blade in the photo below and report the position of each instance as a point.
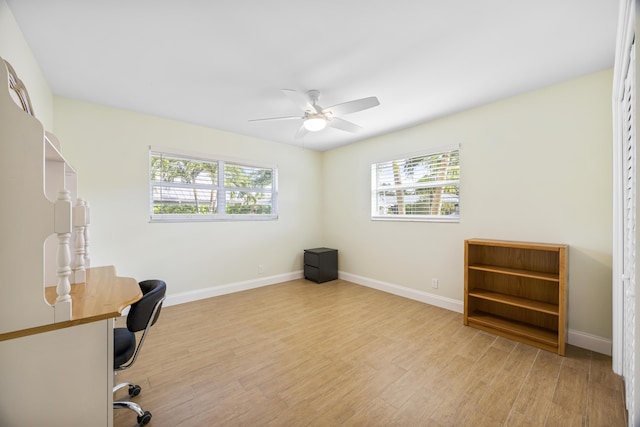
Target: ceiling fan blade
(344, 125)
(301, 132)
(352, 106)
(300, 99)
(277, 118)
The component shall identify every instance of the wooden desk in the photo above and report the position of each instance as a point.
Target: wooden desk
(66, 369)
(103, 296)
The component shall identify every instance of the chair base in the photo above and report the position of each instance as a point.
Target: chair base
(143, 416)
(133, 389)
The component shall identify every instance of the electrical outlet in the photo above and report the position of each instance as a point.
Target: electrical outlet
(434, 283)
(260, 269)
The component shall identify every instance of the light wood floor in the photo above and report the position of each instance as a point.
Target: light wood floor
(306, 354)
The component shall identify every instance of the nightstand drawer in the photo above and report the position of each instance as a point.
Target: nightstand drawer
(312, 273)
(311, 259)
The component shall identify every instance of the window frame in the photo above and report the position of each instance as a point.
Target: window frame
(219, 187)
(376, 216)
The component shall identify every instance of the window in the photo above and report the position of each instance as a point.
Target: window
(424, 187)
(192, 188)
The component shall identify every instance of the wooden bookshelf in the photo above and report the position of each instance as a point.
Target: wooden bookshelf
(517, 290)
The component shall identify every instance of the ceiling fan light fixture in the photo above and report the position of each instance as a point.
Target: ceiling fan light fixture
(315, 124)
(315, 118)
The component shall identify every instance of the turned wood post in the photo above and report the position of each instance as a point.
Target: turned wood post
(87, 211)
(62, 227)
(79, 224)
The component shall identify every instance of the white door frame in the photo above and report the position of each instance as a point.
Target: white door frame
(625, 305)
(626, 31)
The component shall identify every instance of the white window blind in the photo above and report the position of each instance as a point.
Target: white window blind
(191, 188)
(423, 187)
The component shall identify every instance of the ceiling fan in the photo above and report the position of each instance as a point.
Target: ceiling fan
(316, 118)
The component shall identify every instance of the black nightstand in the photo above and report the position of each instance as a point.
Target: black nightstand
(321, 264)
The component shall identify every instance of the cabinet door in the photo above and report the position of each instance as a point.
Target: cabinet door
(56, 369)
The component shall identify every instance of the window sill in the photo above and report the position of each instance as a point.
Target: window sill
(212, 218)
(416, 219)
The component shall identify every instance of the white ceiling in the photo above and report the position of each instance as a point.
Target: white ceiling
(222, 63)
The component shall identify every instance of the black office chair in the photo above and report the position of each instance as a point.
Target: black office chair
(142, 315)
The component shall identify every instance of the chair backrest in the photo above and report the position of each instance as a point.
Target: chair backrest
(139, 316)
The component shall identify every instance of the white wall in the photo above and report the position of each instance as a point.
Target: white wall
(16, 51)
(109, 149)
(535, 167)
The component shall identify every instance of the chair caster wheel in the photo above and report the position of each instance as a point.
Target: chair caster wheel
(134, 390)
(144, 419)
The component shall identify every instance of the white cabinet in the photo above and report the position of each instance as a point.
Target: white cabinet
(38, 189)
